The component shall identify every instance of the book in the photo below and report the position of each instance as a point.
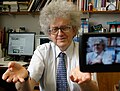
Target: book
(84, 25)
(22, 6)
(99, 5)
(82, 5)
(13, 5)
(35, 5)
(114, 22)
(111, 5)
(103, 5)
(30, 5)
(42, 4)
(95, 4)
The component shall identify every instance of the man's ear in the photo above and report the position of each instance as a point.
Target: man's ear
(49, 35)
(75, 31)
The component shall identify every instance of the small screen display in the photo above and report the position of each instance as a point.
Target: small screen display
(99, 52)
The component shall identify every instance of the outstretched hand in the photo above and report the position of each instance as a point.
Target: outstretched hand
(15, 73)
(79, 77)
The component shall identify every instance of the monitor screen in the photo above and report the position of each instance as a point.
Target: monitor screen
(21, 43)
(99, 52)
(41, 39)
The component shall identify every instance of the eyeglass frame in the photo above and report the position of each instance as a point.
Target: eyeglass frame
(64, 29)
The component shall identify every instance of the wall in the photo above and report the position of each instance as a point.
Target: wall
(31, 23)
(103, 18)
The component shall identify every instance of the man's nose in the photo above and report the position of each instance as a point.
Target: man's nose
(60, 31)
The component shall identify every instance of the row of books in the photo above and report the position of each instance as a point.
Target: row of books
(98, 5)
(26, 5)
(114, 26)
(13, 6)
(36, 5)
(114, 41)
(15, 0)
(84, 25)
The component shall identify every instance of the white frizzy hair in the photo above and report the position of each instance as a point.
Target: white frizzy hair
(56, 9)
(91, 40)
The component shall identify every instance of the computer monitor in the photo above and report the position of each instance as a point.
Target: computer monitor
(41, 39)
(21, 43)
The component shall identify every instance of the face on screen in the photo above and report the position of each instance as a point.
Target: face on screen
(98, 51)
(98, 48)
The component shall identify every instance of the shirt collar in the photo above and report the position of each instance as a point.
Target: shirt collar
(99, 54)
(69, 51)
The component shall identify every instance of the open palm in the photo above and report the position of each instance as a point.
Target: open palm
(15, 72)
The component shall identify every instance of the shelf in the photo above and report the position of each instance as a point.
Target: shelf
(20, 13)
(102, 12)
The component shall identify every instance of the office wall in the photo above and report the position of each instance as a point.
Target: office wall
(103, 18)
(30, 22)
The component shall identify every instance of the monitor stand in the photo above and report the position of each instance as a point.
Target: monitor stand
(22, 58)
(18, 58)
(25, 58)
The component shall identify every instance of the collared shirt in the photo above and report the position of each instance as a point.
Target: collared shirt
(105, 57)
(43, 65)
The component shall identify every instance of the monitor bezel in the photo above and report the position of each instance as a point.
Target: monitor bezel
(82, 54)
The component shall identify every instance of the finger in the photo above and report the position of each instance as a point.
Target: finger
(71, 77)
(15, 79)
(21, 80)
(83, 79)
(87, 76)
(77, 80)
(9, 79)
(6, 75)
(80, 81)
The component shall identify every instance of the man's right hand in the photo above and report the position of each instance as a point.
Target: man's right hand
(15, 73)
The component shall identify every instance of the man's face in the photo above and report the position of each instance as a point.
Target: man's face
(98, 48)
(62, 33)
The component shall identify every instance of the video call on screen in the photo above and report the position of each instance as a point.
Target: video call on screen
(111, 50)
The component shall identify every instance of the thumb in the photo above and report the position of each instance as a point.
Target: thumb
(11, 64)
(14, 64)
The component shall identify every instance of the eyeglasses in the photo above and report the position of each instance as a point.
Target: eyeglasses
(96, 44)
(55, 30)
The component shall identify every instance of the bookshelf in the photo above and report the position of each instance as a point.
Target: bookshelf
(101, 17)
(21, 7)
(101, 12)
(96, 17)
(20, 13)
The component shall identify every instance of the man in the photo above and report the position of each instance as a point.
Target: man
(99, 55)
(60, 21)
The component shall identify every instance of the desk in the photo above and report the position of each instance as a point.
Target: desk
(107, 80)
(4, 64)
(4, 86)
